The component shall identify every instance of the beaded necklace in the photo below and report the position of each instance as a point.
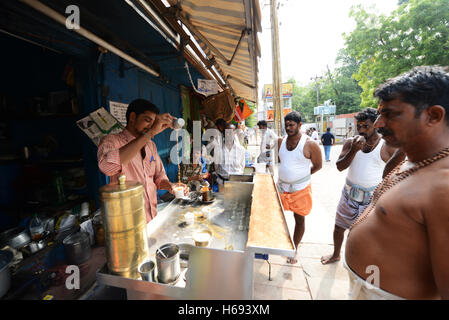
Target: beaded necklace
(372, 145)
(390, 182)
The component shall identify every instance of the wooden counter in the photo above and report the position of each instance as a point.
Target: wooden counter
(267, 227)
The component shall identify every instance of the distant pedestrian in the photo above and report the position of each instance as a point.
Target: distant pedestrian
(328, 141)
(309, 132)
(315, 135)
(349, 133)
(267, 144)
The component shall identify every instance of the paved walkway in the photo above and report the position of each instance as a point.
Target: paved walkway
(309, 279)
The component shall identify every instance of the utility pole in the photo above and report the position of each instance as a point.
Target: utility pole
(277, 106)
(318, 100)
(316, 88)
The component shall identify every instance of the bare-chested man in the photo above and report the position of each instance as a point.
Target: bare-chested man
(365, 155)
(402, 239)
(300, 157)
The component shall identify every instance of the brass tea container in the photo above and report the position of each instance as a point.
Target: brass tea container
(124, 222)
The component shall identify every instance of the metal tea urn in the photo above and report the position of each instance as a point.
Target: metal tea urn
(124, 222)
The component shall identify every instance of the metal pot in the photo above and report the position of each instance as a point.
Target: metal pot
(125, 227)
(77, 247)
(168, 265)
(16, 238)
(36, 246)
(6, 257)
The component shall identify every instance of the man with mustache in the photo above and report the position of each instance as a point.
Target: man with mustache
(133, 153)
(365, 155)
(300, 157)
(401, 239)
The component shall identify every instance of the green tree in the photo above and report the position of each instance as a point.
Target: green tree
(338, 86)
(417, 33)
(347, 90)
(303, 100)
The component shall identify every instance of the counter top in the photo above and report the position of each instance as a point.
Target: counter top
(228, 224)
(223, 270)
(247, 216)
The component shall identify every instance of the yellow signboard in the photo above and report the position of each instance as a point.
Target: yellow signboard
(287, 90)
(270, 113)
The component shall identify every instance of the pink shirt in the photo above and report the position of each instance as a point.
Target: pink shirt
(149, 171)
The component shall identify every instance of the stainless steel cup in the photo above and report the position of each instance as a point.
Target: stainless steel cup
(168, 264)
(147, 271)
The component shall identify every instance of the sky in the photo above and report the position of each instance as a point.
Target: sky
(310, 35)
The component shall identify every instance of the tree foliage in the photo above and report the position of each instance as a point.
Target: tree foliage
(380, 47)
(417, 33)
(338, 86)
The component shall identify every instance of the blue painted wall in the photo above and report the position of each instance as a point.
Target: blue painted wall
(30, 70)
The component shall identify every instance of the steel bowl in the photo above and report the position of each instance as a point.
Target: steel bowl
(16, 238)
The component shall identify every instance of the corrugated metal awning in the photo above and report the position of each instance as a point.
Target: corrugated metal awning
(226, 30)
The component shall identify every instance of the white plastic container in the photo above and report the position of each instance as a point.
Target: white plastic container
(179, 192)
(260, 167)
(189, 217)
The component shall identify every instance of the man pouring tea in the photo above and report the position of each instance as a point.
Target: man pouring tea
(133, 153)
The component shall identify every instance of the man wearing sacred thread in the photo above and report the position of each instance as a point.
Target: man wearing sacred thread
(398, 247)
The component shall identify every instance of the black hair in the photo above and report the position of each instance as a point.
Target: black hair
(293, 116)
(220, 122)
(421, 87)
(139, 106)
(328, 129)
(367, 114)
(262, 123)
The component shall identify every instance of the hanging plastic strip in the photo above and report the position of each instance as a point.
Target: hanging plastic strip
(190, 78)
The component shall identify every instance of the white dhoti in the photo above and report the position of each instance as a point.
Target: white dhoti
(359, 289)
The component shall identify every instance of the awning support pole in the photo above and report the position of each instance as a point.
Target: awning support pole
(49, 12)
(244, 31)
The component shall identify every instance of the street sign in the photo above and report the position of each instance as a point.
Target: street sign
(324, 110)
